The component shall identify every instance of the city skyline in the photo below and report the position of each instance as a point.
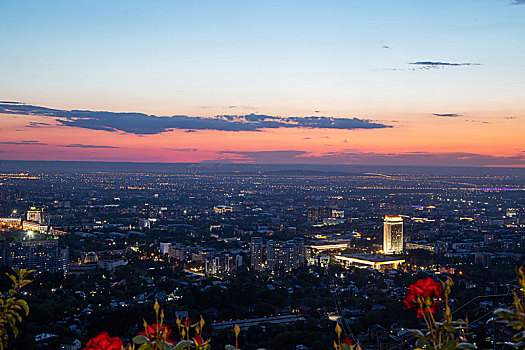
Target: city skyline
(386, 83)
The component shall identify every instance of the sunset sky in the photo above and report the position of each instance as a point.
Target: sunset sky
(319, 82)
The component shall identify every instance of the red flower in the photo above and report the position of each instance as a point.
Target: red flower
(423, 293)
(187, 322)
(153, 328)
(411, 301)
(151, 333)
(346, 340)
(198, 340)
(426, 288)
(104, 342)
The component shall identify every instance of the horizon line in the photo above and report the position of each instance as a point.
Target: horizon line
(267, 164)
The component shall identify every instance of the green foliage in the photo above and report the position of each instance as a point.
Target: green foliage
(12, 308)
(515, 318)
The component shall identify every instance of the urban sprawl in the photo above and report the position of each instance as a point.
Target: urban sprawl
(284, 254)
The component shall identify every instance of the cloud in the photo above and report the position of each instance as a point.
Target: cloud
(452, 115)
(510, 118)
(417, 158)
(517, 2)
(264, 157)
(143, 124)
(243, 107)
(36, 125)
(420, 158)
(182, 149)
(386, 47)
(22, 143)
(78, 145)
(477, 121)
(437, 64)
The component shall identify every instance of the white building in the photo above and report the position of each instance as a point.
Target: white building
(393, 235)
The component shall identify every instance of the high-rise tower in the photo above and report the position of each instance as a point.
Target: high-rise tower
(257, 253)
(393, 235)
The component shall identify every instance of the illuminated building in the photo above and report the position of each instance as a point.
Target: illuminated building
(165, 248)
(221, 209)
(32, 226)
(34, 215)
(427, 247)
(90, 262)
(329, 246)
(222, 264)
(378, 262)
(70, 344)
(393, 235)
(35, 255)
(179, 252)
(111, 264)
(257, 253)
(55, 232)
(317, 214)
(11, 222)
(313, 252)
(285, 256)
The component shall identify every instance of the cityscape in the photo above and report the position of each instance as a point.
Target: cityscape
(262, 175)
(265, 248)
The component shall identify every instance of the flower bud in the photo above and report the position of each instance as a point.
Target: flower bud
(338, 329)
(156, 307)
(237, 330)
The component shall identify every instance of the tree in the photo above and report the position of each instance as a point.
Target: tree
(13, 308)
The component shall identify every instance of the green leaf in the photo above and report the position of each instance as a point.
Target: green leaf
(449, 328)
(140, 339)
(15, 315)
(182, 344)
(466, 346)
(165, 345)
(11, 321)
(449, 346)
(24, 283)
(421, 342)
(416, 333)
(145, 346)
(23, 304)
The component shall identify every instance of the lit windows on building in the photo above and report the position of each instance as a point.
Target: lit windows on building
(393, 235)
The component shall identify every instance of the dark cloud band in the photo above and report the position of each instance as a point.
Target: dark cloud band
(140, 123)
(22, 143)
(451, 115)
(78, 145)
(438, 64)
